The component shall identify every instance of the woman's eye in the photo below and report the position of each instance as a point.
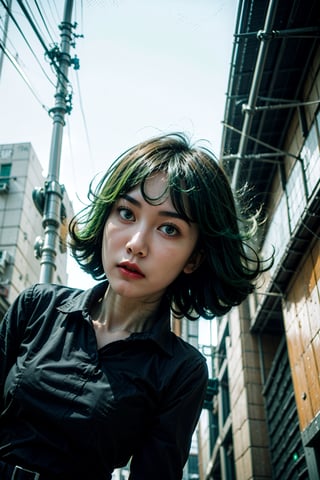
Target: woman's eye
(125, 213)
(169, 230)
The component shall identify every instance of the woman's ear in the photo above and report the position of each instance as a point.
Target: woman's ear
(194, 262)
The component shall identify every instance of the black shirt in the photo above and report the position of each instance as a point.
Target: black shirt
(71, 410)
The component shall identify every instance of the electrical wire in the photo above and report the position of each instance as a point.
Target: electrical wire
(47, 52)
(73, 167)
(82, 14)
(84, 117)
(30, 16)
(35, 21)
(44, 21)
(26, 40)
(56, 10)
(51, 19)
(27, 15)
(7, 38)
(22, 74)
(73, 163)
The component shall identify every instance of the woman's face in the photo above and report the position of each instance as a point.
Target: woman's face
(145, 247)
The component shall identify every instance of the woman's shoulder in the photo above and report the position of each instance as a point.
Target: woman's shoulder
(188, 364)
(41, 290)
(186, 351)
(47, 294)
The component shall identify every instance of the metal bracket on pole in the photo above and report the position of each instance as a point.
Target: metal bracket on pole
(51, 221)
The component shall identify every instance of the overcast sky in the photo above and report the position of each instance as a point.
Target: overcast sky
(146, 66)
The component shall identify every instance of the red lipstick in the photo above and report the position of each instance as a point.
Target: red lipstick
(130, 270)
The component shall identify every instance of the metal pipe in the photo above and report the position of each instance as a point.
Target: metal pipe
(282, 106)
(253, 95)
(260, 142)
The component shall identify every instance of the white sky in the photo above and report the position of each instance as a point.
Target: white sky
(146, 66)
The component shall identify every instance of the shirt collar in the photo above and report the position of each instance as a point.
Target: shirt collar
(160, 332)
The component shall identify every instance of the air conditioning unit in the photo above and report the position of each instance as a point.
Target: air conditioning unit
(4, 187)
(4, 260)
(4, 291)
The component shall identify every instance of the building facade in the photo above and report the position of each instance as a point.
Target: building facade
(264, 417)
(21, 223)
(189, 331)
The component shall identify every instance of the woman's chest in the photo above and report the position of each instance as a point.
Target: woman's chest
(80, 387)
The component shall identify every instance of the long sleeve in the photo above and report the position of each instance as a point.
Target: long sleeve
(165, 450)
(10, 337)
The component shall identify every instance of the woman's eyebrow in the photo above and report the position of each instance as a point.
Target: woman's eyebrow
(162, 213)
(131, 199)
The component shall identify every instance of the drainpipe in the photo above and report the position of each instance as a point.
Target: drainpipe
(264, 36)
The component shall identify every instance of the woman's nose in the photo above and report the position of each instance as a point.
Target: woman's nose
(137, 245)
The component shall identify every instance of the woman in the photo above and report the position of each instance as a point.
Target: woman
(91, 380)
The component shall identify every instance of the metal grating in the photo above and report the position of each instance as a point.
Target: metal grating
(286, 449)
(282, 78)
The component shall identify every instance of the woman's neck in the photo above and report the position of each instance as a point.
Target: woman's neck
(117, 313)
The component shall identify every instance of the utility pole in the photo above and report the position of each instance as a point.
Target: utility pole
(49, 198)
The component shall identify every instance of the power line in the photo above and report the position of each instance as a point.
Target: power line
(25, 39)
(51, 18)
(23, 75)
(5, 36)
(56, 9)
(44, 21)
(83, 116)
(8, 39)
(51, 54)
(33, 26)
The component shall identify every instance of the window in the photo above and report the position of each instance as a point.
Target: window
(6, 152)
(278, 234)
(296, 195)
(311, 157)
(193, 467)
(5, 171)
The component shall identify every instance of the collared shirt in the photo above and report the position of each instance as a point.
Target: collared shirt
(75, 411)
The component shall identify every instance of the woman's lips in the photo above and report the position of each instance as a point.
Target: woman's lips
(130, 270)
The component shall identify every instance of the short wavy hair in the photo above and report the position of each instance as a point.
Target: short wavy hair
(230, 266)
